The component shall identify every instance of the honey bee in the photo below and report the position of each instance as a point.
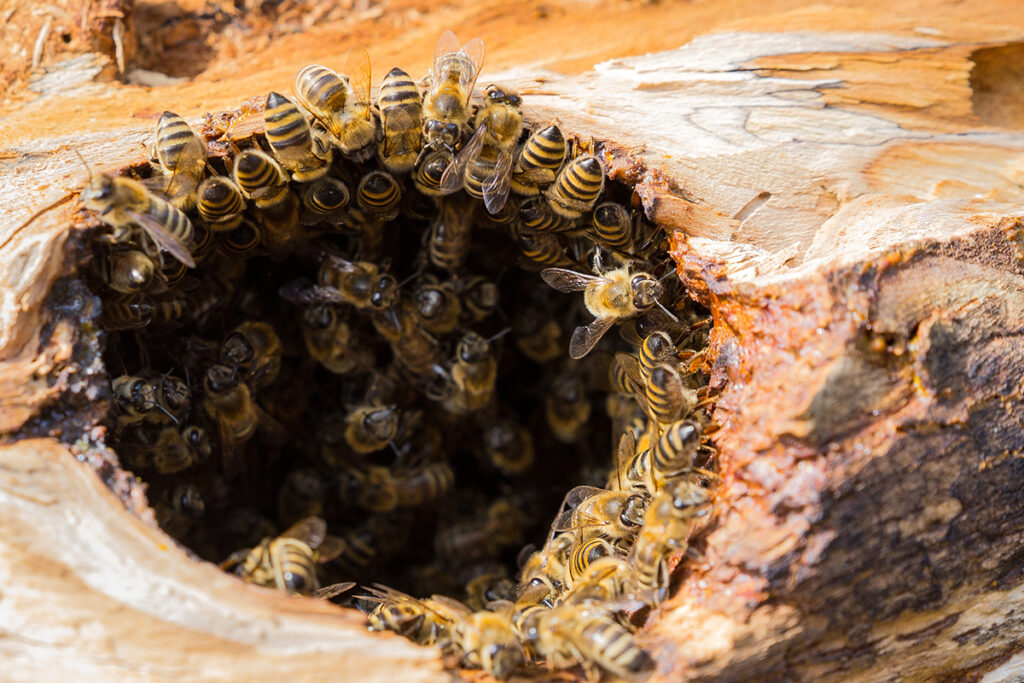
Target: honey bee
(537, 335)
(379, 194)
(430, 169)
(484, 164)
(482, 537)
(539, 160)
(382, 490)
(128, 271)
(179, 508)
(611, 225)
(543, 572)
(324, 200)
(598, 512)
(666, 395)
(577, 187)
(480, 297)
(425, 622)
(371, 542)
(331, 342)
(667, 523)
(291, 139)
(301, 495)
(584, 554)
(508, 445)
(370, 428)
(401, 117)
(151, 400)
(169, 307)
(288, 562)
(610, 297)
(220, 204)
(175, 450)
(413, 347)
(437, 305)
(567, 407)
(602, 580)
(342, 103)
(253, 349)
(230, 404)
(675, 451)
(488, 641)
(242, 242)
(203, 240)
(536, 216)
(473, 375)
(280, 223)
(260, 178)
(542, 250)
(488, 587)
(123, 203)
(451, 233)
(126, 312)
(590, 635)
(446, 109)
(361, 283)
(182, 155)
(657, 348)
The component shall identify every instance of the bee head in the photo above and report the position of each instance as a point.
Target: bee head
(501, 660)
(473, 348)
(98, 192)
(385, 294)
(195, 437)
(646, 291)
(219, 378)
(188, 499)
(382, 423)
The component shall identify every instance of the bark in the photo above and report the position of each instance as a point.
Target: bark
(843, 187)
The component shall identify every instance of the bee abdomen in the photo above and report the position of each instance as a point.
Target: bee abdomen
(665, 394)
(220, 203)
(173, 219)
(173, 134)
(321, 88)
(577, 187)
(611, 225)
(676, 448)
(545, 149)
(286, 127)
(378, 192)
(242, 241)
(616, 647)
(535, 215)
(260, 178)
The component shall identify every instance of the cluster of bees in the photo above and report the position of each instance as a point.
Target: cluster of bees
(339, 326)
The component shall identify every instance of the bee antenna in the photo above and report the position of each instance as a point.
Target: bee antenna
(82, 159)
(499, 335)
(667, 312)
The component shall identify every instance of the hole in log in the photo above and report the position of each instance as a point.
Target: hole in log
(997, 84)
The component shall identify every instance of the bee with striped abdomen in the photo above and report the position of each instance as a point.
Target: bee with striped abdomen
(325, 201)
(182, 156)
(611, 225)
(291, 139)
(260, 178)
(401, 118)
(128, 271)
(577, 187)
(539, 160)
(220, 204)
(379, 194)
(446, 110)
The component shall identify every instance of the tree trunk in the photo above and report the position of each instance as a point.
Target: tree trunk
(843, 189)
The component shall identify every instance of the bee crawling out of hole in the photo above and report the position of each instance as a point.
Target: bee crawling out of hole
(344, 354)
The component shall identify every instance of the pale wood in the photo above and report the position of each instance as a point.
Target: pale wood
(846, 201)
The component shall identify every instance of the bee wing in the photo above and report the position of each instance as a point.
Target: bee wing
(454, 608)
(631, 366)
(357, 68)
(565, 280)
(496, 188)
(187, 172)
(234, 559)
(310, 530)
(446, 44)
(303, 292)
(172, 244)
(572, 499)
(585, 337)
(474, 50)
(455, 173)
(330, 548)
(624, 454)
(335, 589)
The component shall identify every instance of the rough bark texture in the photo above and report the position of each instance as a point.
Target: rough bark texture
(843, 185)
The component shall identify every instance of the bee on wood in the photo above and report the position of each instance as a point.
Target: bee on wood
(291, 139)
(260, 178)
(446, 110)
(181, 155)
(401, 117)
(539, 160)
(220, 204)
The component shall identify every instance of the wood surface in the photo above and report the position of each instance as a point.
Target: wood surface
(843, 183)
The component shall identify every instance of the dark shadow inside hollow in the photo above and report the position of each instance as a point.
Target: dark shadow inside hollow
(997, 85)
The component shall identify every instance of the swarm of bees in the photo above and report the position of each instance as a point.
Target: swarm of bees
(340, 325)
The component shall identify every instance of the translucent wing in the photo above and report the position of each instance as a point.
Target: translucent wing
(189, 169)
(496, 188)
(330, 548)
(631, 366)
(624, 454)
(234, 559)
(585, 337)
(456, 172)
(572, 499)
(335, 589)
(310, 530)
(357, 68)
(165, 240)
(565, 280)
(474, 50)
(449, 608)
(336, 262)
(446, 44)
(303, 292)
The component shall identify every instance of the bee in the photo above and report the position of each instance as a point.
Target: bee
(371, 542)
(602, 580)
(667, 397)
(230, 404)
(182, 155)
(401, 117)
(611, 225)
(280, 223)
(361, 283)
(480, 297)
(437, 305)
(220, 204)
(413, 347)
(584, 554)
(537, 335)
(675, 451)
(342, 103)
(657, 348)
(488, 641)
(175, 450)
(572, 632)
(179, 509)
(483, 537)
(331, 342)
(430, 169)
(169, 307)
(425, 622)
(446, 109)
(567, 407)
(242, 242)
(379, 194)
(253, 349)
(382, 490)
(288, 562)
(610, 297)
(156, 401)
(488, 587)
(577, 187)
(291, 139)
(324, 200)
(301, 495)
(260, 178)
(126, 312)
(473, 374)
(484, 164)
(536, 216)
(539, 160)
(667, 523)
(128, 271)
(370, 428)
(451, 233)
(508, 445)
(203, 242)
(543, 572)
(598, 512)
(542, 250)
(123, 203)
